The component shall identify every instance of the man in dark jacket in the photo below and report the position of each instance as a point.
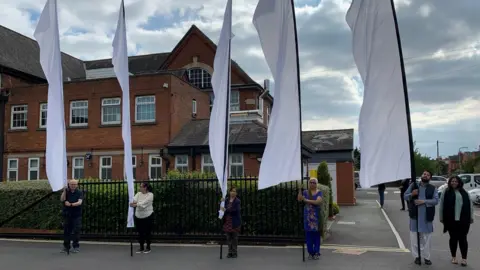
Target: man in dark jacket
(72, 199)
(381, 193)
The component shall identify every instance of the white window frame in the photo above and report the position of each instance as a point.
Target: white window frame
(145, 103)
(260, 106)
(12, 113)
(74, 167)
(119, 104)
(134, 167)
(9, 169)
(194, 106)
(204, 164)
(236, 104)
(82, 108)
(230, 163)
(101, 166)
(178, 165)
(43, 110)
(150, 166)
(268, 114)
(33, 169)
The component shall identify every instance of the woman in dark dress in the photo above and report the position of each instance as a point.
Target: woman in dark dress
(232, 222)
(456, 214)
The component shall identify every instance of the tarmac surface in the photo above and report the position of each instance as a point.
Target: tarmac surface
(363, 237)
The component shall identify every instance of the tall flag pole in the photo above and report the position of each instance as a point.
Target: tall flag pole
(47, 36)
(218, 135)
(276, 26)
(385, 128)
(120, 66)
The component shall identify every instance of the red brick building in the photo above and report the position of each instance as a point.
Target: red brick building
(171, 98)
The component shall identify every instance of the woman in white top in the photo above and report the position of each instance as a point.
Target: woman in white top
(143, 203)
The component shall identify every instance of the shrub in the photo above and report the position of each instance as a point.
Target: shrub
(324, 178)
(182, 206)
(336, 209)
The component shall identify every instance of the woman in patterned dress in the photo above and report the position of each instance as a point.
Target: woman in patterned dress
(312, 217)
(232, 222)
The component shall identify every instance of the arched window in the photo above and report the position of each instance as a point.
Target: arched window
(200, 78)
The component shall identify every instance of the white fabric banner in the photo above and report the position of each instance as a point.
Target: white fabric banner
(218, 134)
(48, 40)
(383, 128)
(120, 66)
(281, 162)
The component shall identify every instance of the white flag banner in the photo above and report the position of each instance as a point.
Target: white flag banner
(281, 162)
(383, 128)
(218, 134)
(120, 66)
(48, 40)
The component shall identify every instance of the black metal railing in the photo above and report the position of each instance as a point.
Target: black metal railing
(187, 210)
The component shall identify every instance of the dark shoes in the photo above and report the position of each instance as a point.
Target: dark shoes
(427, 262)
(232, 255)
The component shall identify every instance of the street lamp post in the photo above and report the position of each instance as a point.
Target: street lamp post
(459, 159)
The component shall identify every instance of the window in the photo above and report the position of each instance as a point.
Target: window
(207, 164)
(78, 170)
(181, 163)
(79, 113)
(105, 168)
(268, 115)
(134, 168)
(466, 179)
(145, 109)
(155, 167)
(111, 111)
(260, 105)
(212, 97)
(194, 106)
(43, 115)
(236, 165)
(200, 78)
(476, 178)
(33, 168)
(12, 169)
(19, 117)
(234, 101)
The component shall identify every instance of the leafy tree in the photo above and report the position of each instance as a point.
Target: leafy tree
(325, 179)
(471, 165)
(356, 158)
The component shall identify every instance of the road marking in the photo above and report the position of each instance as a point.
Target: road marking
(350, 251)
(325, 246)
(346, 222)
(374, 193)
(401, 245)
(397, 192)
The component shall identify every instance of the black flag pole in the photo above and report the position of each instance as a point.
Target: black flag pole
(299, 103)
(409, 121)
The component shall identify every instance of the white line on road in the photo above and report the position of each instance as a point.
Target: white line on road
(401, 245)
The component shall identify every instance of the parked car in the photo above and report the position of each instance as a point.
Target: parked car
(475, 195)
(471, 181)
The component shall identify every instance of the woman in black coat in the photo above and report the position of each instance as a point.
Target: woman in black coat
(232, 221)
(456, 214)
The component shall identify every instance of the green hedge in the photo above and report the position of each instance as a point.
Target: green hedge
(181, 207)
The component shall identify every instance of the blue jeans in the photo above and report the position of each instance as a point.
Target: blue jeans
(382, 197)
(313, 242)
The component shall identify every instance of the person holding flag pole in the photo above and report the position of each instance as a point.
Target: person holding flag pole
(275, 23)
(218, 136)
(120, 66)
(385, 128)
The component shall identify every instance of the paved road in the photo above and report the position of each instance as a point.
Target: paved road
(440, 249)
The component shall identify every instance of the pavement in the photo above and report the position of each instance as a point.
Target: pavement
(363, 237)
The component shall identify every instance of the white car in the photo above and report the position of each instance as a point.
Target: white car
(470, 182)
(475, 195)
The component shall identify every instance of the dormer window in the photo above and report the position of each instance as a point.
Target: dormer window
(200, 78)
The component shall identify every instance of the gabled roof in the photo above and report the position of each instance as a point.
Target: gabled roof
(136, 64)
(329, 140)
(183, 42)
(20, 53)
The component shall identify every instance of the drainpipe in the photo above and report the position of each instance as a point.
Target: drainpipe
(3, 101)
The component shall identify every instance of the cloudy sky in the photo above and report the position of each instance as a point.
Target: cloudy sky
(440, 40)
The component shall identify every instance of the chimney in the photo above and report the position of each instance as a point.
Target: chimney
(266, 84)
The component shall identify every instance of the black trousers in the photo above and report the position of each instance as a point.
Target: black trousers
(458, 237)
(71, 231)
(144, 228)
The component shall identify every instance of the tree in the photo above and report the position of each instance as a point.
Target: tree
(325, 179)
(356, 158)
(471, 165)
